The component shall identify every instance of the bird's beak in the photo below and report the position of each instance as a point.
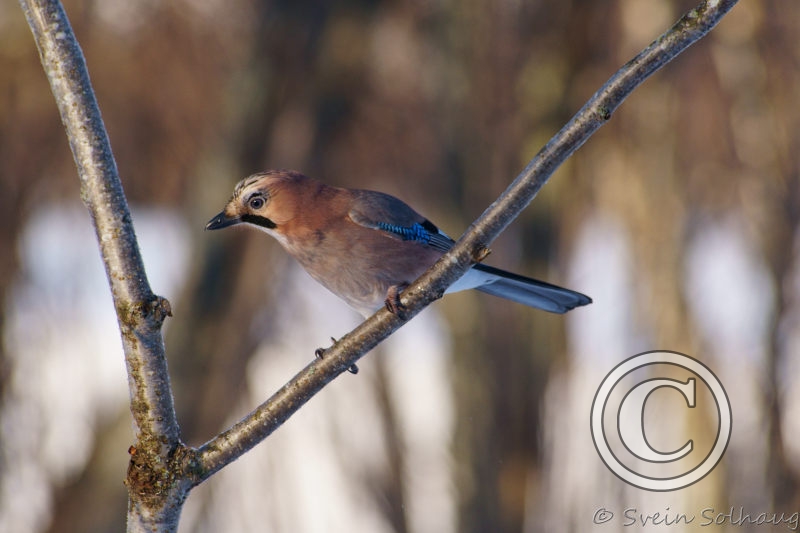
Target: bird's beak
(222, 221)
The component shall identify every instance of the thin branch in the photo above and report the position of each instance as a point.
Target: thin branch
(470, 248)
(161, 468)
(139, 311)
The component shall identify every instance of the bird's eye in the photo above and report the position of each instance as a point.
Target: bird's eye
(256, 202)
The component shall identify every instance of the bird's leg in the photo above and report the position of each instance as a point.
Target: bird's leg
(320, 353)
(392, 301)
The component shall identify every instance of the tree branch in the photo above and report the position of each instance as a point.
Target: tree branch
(470, 248)
(140, 313)
(162, 470)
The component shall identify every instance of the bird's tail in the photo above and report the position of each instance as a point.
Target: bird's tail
(527, 291)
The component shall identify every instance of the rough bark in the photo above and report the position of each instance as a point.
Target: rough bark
(162, 469)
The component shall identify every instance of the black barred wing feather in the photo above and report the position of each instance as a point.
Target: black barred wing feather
(388, 214)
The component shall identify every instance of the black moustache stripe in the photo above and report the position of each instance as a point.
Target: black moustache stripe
(258, 220)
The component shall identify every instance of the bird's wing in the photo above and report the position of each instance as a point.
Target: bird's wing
(386, 213)
(393, 217)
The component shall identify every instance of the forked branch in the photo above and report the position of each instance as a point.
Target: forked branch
(162, 469)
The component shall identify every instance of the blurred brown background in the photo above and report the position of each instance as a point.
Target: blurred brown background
(680, 218)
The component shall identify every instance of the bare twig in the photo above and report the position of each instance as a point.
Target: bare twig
(140, 313)
(162, 470)
(470, 247)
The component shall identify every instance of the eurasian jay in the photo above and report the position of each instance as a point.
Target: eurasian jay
(366, 246)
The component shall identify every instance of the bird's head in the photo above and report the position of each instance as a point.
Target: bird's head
(264, 200)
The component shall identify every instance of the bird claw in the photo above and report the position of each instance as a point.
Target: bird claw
(392, 301)
(319, 353)
(481, 253)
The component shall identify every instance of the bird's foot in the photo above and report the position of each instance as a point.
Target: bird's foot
(392, 301)
(319, 353)
(481, 253)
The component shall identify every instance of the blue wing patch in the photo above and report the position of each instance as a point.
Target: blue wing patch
(424, 232)
(416, 233)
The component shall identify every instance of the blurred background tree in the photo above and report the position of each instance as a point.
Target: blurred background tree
(680, 218)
